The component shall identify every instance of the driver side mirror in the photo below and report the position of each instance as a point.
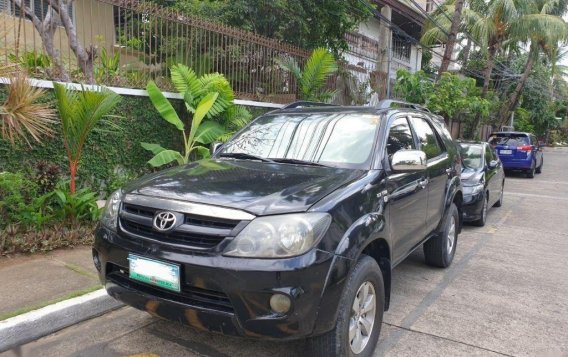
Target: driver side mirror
(408, 161)
(493, 164)
(215, 146)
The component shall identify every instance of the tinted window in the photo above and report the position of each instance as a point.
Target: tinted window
(400, 137)
(509, 139)
(488, 155)
(472, 156)
(342, 139)
(428, 140)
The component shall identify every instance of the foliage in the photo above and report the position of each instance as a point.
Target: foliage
(109, 66)
(17, 239)
(34, 63)
(305, 23)
(46, 175)
(24, 114)
(414, 87)
(18, 200)
(452, 97)
(206, 98)
(312, 80)
(80, 111)
(67, 206)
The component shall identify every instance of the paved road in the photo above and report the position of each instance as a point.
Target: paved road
(505, 295)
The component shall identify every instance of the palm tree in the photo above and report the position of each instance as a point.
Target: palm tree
(80, 111)
(311, 81)
(540, 25)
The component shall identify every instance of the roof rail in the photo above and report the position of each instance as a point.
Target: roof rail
(390, 103)
(305, 103)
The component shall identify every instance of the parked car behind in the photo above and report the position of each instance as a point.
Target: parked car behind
(483, 181)
(292, 228)
(518, 151)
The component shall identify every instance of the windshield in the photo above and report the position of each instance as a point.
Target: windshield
(509, 139)
(472, 156)
(341, 140)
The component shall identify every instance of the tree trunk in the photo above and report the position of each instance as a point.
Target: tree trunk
(451, 38)
(466, 51)
(486, 80)
(46, 29)
(85, 58)
(73, 174)
(514, 98)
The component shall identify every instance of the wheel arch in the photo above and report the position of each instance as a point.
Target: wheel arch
(379, 250)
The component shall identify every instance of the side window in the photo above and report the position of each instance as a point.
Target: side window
(429, 142)
(400, 137)
(488, 155)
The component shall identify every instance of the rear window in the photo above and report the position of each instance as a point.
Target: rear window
(509, 139)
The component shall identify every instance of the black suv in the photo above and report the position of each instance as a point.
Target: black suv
(292, 228)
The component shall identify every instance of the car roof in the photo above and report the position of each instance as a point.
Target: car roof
(384, 106)
(471, 142)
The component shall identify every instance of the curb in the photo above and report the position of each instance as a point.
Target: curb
(30, 326)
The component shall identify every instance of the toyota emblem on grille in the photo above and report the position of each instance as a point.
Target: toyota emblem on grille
(164, 221)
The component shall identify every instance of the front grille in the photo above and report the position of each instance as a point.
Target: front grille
(196, 231)
(189, 295)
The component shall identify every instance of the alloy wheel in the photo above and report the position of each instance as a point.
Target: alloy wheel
(451, 235)
(362, 318)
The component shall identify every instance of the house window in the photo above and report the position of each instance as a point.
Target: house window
(39, 7)
(400, 48)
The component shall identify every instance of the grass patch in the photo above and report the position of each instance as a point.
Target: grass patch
(80, 270)
(29, 308)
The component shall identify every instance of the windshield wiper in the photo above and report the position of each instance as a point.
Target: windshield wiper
(244, 156)
(296, 161)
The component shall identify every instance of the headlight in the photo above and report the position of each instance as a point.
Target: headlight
(110, 215)
(473, 190)
(280, 236)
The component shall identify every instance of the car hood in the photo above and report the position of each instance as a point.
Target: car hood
(260, 188)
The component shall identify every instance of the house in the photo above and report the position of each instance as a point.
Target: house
(387, 42)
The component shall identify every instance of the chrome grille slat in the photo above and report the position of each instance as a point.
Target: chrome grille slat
(195, 232)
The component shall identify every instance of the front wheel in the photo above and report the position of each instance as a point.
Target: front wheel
(483, 214)
(359, 317)
(439, 250)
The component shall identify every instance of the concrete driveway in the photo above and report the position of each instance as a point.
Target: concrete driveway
(505, 294)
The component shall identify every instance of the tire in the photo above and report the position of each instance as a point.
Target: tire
(337, 342)
(483, 214)
(530, 172)
(499, 203)
(539, 168)
(439, 250)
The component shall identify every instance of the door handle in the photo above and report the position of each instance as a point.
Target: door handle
(423, 183)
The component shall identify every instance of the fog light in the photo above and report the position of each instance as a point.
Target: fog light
(280, 303)
(96, 260)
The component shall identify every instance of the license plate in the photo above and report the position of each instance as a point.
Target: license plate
(506, 152)
(149, 271)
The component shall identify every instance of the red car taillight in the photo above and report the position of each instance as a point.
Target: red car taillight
(526, 148)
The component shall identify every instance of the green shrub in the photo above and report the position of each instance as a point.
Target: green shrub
(19, 201)
(80, 205)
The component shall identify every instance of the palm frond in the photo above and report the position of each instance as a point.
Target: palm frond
(80, 111)
(217, 83)
(320, 65)
(237, 117)
(184, 79)
(23, 114)
(289, 64)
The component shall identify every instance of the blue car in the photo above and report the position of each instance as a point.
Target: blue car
(518, 151)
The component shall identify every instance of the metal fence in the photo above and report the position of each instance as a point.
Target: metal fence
(136, 41)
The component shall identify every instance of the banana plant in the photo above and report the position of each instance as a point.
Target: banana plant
(209, 101)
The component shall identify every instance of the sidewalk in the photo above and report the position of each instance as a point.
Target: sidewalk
(31, 282)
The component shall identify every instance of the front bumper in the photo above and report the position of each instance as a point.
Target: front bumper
(472, 205)
(228, 295)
